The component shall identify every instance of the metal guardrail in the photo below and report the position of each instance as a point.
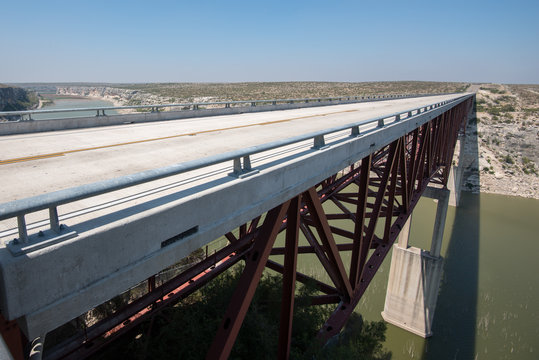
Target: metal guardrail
(100, 111)
(51, 201)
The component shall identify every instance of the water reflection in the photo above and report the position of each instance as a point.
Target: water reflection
(454, 326)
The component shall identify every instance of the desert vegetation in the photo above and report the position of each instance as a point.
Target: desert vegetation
(189, 92)
(507, 131)
(186, 330)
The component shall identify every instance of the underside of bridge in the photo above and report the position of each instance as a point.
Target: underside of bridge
(377, 194)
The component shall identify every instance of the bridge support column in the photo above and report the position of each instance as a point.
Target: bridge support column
(454, 182)
(414, 277)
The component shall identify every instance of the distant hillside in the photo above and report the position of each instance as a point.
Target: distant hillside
(179, 92)
(163, 93)
(15, 98)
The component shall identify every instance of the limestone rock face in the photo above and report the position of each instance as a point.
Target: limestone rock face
(116, 95)
(14, 98)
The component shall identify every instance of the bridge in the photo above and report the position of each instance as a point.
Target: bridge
(94, 206)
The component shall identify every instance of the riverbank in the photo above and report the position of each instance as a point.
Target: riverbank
(502, 143)
(116, 96)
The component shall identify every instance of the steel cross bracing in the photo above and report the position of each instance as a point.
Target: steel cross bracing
(377, 194)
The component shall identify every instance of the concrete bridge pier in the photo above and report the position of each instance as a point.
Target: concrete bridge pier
(414, 276)
(456, 172)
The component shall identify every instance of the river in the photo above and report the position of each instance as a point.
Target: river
(487, 306)
(73, 103)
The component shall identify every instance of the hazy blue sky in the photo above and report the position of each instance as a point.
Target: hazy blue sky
(177, 41)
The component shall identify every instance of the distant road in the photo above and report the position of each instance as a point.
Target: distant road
(473, 88)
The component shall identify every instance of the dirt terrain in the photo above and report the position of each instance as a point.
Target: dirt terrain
(505, 139)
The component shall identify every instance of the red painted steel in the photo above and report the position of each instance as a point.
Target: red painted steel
(13, 337)
(289, 278)
(255, 264)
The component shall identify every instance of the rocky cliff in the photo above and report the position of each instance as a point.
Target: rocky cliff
(117, 96)
(504, 139)
(14, 98)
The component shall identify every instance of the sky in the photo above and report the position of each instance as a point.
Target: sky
(235, 41)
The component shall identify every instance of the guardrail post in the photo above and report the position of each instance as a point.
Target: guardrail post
(237, 166)
(21, 224)
(227, 105)
(253, 104)
(246, 163)
(53, 217)
(380, 122)
(274, 103)
(97, 113)
(103, 112)
(319, 142)
(398, 117)
(355, 131)
(409, 114)
(195, 106)
(240, 171)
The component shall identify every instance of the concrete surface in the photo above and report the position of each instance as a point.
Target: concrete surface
(412, 290)
(415, 274)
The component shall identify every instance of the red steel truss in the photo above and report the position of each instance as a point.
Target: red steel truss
(377, 194)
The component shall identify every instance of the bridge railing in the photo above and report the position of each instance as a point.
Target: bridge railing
(100, 111)
(240, 158)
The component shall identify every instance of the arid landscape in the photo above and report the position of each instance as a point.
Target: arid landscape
(507, 135)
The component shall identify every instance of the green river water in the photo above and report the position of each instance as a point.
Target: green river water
(488, 305)
(73, 103)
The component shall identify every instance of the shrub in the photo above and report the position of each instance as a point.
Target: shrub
(187, 330)
(508, 159)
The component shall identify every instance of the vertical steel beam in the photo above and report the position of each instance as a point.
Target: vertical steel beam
(405, 191)
(289, 278)
(359, 243)
(378, 204)
(255, 264)
(391, 190)
(13, 337)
